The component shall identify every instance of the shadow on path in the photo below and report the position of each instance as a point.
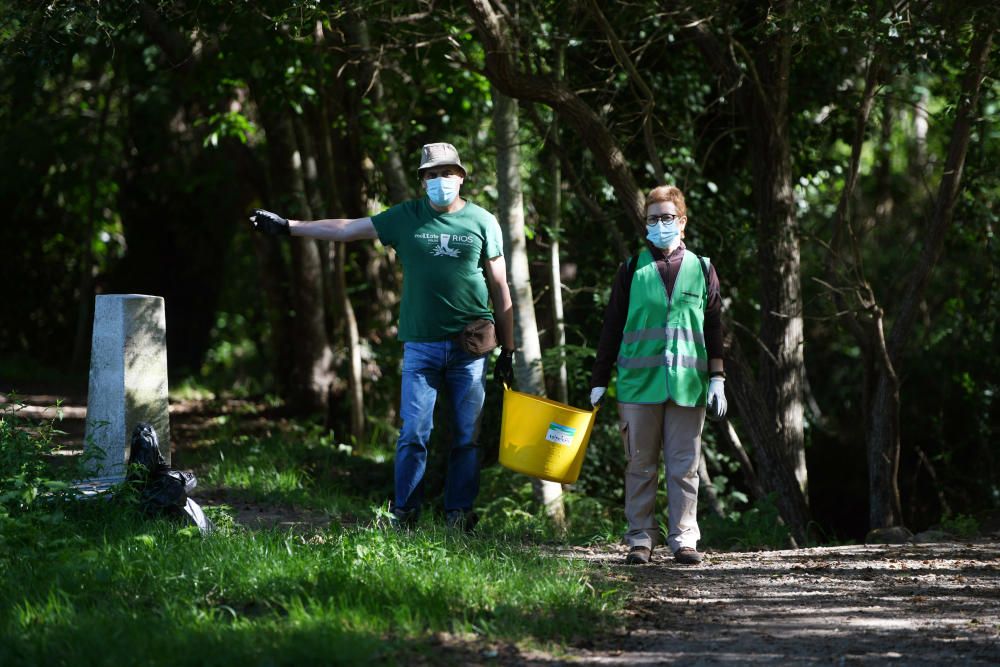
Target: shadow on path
(925, 604)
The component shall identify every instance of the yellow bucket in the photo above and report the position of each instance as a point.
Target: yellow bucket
(543, 438)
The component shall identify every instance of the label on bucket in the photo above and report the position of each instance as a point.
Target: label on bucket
(559, 434)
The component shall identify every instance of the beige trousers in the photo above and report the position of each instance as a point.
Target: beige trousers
(646, 430)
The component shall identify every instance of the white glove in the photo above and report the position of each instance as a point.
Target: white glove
(596, 394)
(716, 410)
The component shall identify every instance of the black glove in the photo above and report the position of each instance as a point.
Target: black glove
(503, 370)
(269, 223)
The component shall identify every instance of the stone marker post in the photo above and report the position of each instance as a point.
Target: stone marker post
(128, 378)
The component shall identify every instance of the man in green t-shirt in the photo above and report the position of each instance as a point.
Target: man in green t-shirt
(452, 257)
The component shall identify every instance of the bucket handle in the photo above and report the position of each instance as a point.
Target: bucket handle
(506, 387)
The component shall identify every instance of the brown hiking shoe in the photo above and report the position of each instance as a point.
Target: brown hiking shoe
(638, 556)
(687, 556)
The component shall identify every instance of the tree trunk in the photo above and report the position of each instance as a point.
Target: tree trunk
(381, 268)
(375, 311)
(528, 369)
(311, 354)
(775, 470)
(355, 386)
(390, 164)
(555, 282)
(555, 265)
(883, 437)
(772, 406)
(885, 509)
(782, 364)
(336, 254)
(880, 390)
(327, 207)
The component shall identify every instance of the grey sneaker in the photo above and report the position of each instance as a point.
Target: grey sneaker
(460, 520)
(638, 556)
(687, 556)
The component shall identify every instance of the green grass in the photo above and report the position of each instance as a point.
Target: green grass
(275, 597)
(93, 582)
(299, 465)
(286, 463)
(106, 586)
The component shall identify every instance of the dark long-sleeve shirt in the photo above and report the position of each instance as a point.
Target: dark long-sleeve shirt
(617, 312)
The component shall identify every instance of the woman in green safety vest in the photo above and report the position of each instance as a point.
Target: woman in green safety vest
(663, 331)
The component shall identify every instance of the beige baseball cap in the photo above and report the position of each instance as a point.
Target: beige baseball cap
(435, 155)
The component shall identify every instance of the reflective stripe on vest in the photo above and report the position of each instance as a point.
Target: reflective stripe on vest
(667, 360)
(663, 355)
(664, 334)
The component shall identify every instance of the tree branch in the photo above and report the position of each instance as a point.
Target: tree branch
(505, 75)
(841, 219)
(951, 181)
(593, 208)
(645, 94)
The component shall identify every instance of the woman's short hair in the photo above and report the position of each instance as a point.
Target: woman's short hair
(665, 193)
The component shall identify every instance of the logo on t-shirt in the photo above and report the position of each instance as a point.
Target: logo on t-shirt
(447, 245)
(442, 249)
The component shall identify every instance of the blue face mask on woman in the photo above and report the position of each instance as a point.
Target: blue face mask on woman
(663, 234)
(442, 191)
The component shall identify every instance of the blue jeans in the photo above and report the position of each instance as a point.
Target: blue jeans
(427, 369)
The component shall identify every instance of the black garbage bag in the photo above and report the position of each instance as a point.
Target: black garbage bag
(163, 491)
(166, 488)
(144, 450)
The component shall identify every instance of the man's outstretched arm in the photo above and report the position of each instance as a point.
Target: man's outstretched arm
(333, 229)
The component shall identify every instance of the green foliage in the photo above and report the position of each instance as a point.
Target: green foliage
(229, 124)
(757, 527)
(603, 472)
(33, 489)
(962, 525)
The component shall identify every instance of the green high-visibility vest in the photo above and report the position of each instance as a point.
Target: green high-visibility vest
(663, 355)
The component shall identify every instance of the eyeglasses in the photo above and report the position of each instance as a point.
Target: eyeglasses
(657, 219)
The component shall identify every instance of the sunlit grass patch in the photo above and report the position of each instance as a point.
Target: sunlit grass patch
(93, 582)
(336, 595)
(289, 465)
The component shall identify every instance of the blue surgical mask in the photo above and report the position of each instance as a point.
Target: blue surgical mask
(663, 234)
(442, 191)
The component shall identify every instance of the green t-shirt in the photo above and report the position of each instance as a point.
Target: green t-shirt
(443, 254)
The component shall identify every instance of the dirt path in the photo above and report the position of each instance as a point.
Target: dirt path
(927, 604)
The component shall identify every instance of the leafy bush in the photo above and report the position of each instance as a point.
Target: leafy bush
(32, 486)
(759, 527)
(961, 525)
